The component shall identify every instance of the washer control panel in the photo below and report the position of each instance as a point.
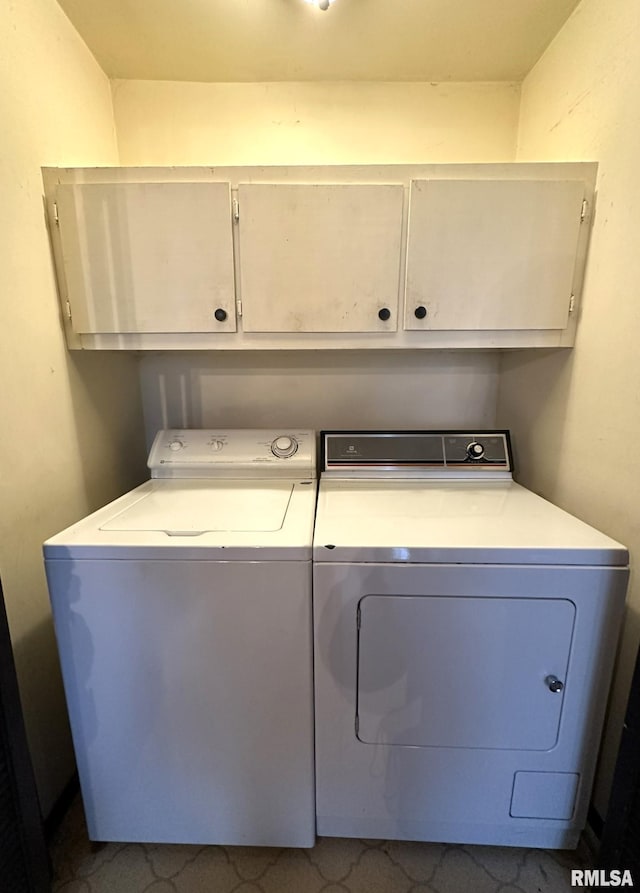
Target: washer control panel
(284, 446)
(237, 453)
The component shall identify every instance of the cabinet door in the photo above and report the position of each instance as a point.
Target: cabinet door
(148, 257)
(320, 258)
(491, 254)
(462, 672)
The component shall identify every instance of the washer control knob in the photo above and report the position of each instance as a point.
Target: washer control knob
(176, 445)
(554, 684)
(216, 445)
(283, 447)
(475, 450)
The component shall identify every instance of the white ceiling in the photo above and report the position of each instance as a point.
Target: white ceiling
(290, 40)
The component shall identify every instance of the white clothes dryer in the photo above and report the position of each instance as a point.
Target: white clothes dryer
(183, 617)
(465, 633)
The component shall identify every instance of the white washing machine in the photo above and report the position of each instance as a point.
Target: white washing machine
(465, 633)
(183, 617)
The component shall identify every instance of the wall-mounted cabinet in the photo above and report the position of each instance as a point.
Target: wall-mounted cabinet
(492, 254)
(147, 257)
(389, 256)
(320, 258)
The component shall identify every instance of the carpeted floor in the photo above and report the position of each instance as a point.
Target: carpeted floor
(332, 866)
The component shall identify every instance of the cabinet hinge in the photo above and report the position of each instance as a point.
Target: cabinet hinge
(55, 214)
(68, 307)
(585, 208)
(572, 303)
(236, 210)
(239, 307)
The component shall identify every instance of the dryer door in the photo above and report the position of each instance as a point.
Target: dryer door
(462, 672)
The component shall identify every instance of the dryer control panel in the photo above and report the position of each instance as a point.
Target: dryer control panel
(237, 453)
(416, 453)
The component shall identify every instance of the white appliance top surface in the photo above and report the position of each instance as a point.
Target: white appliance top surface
(486, 522)
(239, 494)
(235, 520)
(195, 507)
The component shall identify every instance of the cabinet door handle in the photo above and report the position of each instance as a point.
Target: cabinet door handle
(554, 684)
(220, 314)
(420, 312)
(384, 314)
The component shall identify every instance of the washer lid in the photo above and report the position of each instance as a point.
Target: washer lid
(262, 520)
(190, 508)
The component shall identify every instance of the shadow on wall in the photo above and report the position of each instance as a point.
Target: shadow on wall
(616, 709)
(40, 682)
(105, 393)
(536, 416)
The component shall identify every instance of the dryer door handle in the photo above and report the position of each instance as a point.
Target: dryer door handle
(554, 684)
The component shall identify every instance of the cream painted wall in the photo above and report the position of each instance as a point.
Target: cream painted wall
(319, 389)
(576, 415)
(71, 424)
(160, 122)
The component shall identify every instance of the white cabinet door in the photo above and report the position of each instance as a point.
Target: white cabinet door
(148, 257)
(320, 258)
(491, 254)
(462, 672)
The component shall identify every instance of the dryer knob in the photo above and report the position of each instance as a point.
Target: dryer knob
(283, 447)
(176, 445)
(475, 450)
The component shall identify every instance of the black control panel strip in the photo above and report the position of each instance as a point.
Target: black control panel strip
(390, 450)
